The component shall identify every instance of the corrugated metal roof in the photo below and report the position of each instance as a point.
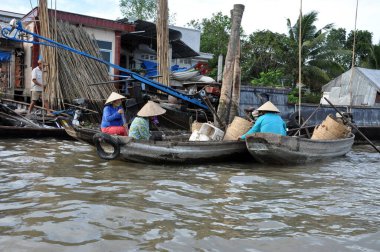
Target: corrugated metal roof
(372, 74)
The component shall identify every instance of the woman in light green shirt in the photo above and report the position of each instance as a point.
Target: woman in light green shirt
(140, 125)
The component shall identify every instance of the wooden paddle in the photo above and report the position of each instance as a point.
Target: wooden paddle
(352, 125)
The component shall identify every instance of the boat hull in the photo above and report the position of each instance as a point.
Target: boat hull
(27, 132)
(277, 149)
(148, 151)
(81, 134)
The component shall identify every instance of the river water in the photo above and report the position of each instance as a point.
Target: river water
(59, 196)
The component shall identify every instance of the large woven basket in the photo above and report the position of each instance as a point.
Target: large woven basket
(238, 127)
(331, 129)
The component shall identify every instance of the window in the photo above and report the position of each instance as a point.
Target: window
(377, 97)
(105, 49)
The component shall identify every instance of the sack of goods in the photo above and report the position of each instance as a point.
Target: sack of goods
(331, 129)
(207, 132)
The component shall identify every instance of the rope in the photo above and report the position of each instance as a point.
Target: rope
(181, 126)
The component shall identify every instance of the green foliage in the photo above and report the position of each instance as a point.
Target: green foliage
(312, 98)
(363, 44)
(215, 32)
(142, 9)
(293, 96)
(306, 97)
(269, 79)
(261, 52)
(374, 59)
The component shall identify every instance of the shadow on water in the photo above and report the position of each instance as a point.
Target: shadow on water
(58, 195)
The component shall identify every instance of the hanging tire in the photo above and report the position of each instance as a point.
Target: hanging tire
(100, 138)
(293, 120)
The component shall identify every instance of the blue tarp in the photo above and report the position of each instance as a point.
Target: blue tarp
(5, 56)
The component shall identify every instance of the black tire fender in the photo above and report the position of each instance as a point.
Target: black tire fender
(98, 138)
(293, 120)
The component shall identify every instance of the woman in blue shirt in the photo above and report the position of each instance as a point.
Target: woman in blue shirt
(268, 122)
(113, 114)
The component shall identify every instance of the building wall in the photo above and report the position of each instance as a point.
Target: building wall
(28, 61)
(104, 35)
(191, 37)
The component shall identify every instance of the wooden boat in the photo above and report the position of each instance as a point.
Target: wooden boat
(168, 151)
(13, 125)
(27, 132)
(277, 149)
(79, 133)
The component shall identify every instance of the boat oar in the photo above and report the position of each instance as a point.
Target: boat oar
(125, 123)
(353, 126)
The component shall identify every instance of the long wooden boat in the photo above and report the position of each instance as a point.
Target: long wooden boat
(28, 132)
(277, 149)
(168, 151)
(13, 125)
(82, 134)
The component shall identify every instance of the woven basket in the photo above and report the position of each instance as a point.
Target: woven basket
(331, 129)
(238, 127)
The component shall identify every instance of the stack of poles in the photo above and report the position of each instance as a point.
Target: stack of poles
(76, 72)
(48, 54)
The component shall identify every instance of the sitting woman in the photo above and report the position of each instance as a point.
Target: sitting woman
(140, 125)
(269, 121)
(113, 119)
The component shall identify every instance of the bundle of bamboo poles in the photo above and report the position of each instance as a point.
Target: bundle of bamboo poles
(69, 74)
(77, 72)
(50, 67)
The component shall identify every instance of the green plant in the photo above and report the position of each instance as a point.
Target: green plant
(306, 97)
(270, 78)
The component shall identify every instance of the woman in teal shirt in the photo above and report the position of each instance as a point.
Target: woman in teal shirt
(140, 125)
(268, 122)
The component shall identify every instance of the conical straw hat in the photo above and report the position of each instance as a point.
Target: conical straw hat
(268, 106)
(114, 96)
(151, 109)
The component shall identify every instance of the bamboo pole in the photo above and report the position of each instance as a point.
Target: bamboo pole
(299, 64)
(163, 41)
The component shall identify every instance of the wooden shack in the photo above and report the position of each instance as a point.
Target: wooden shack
(356, 87)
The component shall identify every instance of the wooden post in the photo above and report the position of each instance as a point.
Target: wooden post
(234, 107)
(220, 68)
(162, 41)
(231, 77)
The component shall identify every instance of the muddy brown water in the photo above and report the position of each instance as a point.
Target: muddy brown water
(59, 196)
